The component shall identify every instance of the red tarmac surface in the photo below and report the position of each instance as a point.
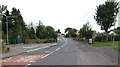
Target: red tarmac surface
(20, 60)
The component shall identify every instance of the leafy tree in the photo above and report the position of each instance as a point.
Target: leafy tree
(70, 32)
(2, 11)
(58, 31)
(86, 31)
(2, 8)
(49, 33)
(16, 25)
(31, 31)
(39, 29)
(67, 29)
(106, 15)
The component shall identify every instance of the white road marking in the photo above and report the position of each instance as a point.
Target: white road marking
(55, 50)
(32, 61)
(46, 55)
(62, 45)
(50, 52)
(29, 64)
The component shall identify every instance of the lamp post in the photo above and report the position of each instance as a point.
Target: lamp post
(7, 27)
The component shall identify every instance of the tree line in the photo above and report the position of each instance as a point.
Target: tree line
(105, 17)
(19, 31)
(85, 32)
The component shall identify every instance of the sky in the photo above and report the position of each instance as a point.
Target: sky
(59, 14)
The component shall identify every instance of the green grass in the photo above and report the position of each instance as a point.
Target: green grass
(116, 48)
(2, 49)
(116, 45)
(109, 43)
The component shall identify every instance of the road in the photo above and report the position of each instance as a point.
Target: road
(66, 52)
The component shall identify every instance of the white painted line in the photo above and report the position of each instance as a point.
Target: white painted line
(62, 45)
(46, 55)
(57, 49)
(29, 64)
(32, 61)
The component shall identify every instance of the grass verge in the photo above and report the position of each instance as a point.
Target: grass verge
(116, 45)
(109, 43)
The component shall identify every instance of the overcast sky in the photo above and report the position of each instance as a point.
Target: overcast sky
(59, 14)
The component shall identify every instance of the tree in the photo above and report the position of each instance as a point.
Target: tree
(67, 29)
(70, 32)
(86, 31)
(39, 29)
(2, 8)
(58, 31)
(31, 31)
(48, 33)
(106, 15)
(2, 11)
(16, 26)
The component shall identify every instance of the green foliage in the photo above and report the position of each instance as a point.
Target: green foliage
(70, 32)
(48, 33)
(86, 31)
(39, 29)
(106, 15)
(16, 26)
(109, 43)
(58, 31)
(18, 31)
(2, 8)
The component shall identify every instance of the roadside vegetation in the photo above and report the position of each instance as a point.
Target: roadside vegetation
(20, 32)
(109, 43)
(3, 49)
(115, 45)
(109, 11)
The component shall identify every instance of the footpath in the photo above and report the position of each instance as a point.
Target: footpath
(23, 48)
